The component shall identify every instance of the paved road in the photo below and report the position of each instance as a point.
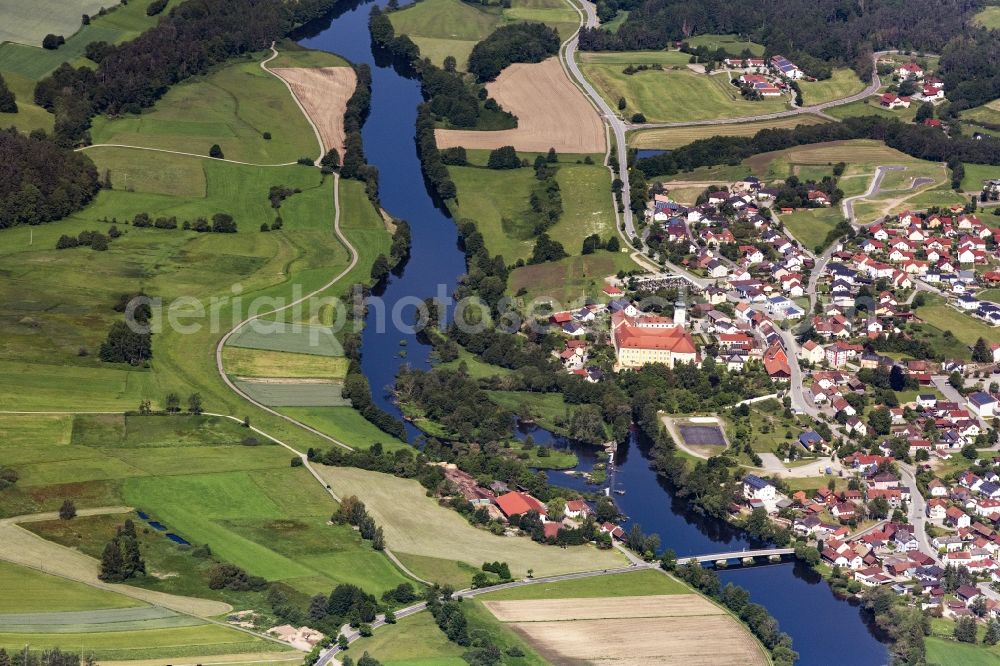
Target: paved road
(352, 635)
(617, 125)
(847, 205)
(917, 511)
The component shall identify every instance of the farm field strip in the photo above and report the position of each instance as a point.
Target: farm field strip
(674, 137)
(275, 392)
(680, 641)
(284, 337)
(546, 610)
(658, 629)
(103, 616)
(248, 362)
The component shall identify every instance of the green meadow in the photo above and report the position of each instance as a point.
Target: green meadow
(232, 106)
(843, 83)
(444, 28)
(730, 43)
(498, 200)
(207, 479)
(568, 281)
(29, 591)
(120, 24)
(676, 94)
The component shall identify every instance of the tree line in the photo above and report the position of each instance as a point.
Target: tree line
(926, 143)
(42, 181)
(194, 36)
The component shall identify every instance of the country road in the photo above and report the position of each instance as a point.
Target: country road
(327, 656)
(588, 18)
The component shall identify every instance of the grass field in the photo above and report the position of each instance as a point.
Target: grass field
(123, 23)
(294, 393)
(975, 174)
(633, 57)
(452, 27)
(204, 639)
(989, 112)
(810, 226)
(206, 483)
(965, 328)
(944, 651)
(291, 54)
(29, 591)
(344, 424)
(28, 24)
(730, 43)
(637, 583)
(232, 106)
(676, 94)
(988, 17)
(264, 363)
(499, 202)
(674, 137)
(425, 528)
(870, 107)
(569, 281)
(843, 83)
(413, 641)
(862, 155)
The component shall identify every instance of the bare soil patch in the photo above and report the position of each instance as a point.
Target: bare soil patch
(323, 93)
(668, 605)
(551, 113)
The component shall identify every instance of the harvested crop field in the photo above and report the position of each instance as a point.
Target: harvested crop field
(551, 113)
(323, 93)
(294, 338)
(674, 629)
(279, 392)
(541, 610)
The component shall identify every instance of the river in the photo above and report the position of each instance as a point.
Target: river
(824, 629)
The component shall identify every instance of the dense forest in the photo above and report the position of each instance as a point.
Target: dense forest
(193, 37)
(970, 68)
(919, 141)
(518, 42)
(41, 182)
(804, 30)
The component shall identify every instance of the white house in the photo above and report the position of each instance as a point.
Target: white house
(757, 488)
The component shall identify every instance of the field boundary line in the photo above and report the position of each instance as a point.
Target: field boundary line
(182, 153)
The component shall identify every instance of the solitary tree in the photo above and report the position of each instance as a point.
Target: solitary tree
(981, 352)
(965, 630)
(172, 403)
(621, 103)
(215, 151)
(52, 42)
(68, 510)
(194, 403)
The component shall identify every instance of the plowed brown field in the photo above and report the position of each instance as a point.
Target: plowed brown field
(684, 629)
(323, 93)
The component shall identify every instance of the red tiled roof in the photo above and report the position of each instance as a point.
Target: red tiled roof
(516, 504)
